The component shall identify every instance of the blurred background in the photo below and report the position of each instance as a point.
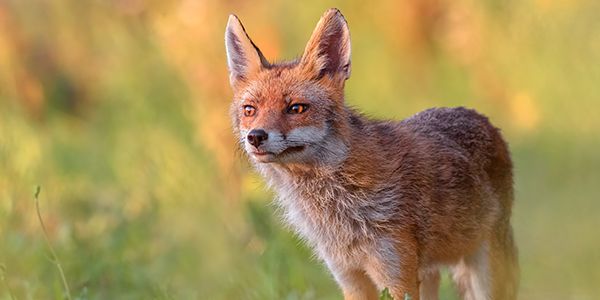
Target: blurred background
(118, 109)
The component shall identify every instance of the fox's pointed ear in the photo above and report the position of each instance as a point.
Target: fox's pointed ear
(328, 50)
(243, 57)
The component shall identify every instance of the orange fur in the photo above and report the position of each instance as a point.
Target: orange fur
(383, 203)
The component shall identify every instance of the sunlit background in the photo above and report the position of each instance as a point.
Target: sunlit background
(118, 109)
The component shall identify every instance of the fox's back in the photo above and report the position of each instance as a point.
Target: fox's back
(462, 130)
(466, 150)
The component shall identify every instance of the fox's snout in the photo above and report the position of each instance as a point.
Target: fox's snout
(256, 137)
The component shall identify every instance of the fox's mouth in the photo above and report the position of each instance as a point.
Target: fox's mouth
(287, 151)
(291, 150)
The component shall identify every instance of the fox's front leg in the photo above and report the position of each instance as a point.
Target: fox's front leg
(355, 283)
(394, 265)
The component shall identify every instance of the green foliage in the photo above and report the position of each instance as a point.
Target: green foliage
(385, 295)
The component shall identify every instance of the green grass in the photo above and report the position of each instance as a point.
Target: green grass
(53, 258)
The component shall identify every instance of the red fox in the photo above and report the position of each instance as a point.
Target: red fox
(383, 204)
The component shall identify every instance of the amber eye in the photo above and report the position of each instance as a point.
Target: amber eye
(297, 108)
(249, 110)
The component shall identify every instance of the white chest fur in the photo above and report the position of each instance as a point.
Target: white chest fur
(336, 221)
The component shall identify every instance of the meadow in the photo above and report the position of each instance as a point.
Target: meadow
(119, 111)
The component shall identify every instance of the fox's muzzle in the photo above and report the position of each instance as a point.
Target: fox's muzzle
(256, 137)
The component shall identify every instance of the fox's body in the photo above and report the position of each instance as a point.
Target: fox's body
(383, 203)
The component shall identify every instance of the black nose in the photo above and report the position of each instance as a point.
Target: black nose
(257, 136)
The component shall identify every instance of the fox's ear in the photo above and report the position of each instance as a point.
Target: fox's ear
(243, 57)
(328, 50)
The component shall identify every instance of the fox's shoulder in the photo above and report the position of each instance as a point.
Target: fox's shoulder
(456, 129)
(444, 118)
(457, 123)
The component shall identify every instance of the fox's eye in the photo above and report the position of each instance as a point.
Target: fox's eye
(249, 110)
(297, 108)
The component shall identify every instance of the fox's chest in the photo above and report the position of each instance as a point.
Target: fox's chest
(316, 208)
(329, 216)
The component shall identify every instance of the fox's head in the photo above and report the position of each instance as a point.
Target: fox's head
(287, 112)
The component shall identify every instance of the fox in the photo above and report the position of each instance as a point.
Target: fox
(382, 203)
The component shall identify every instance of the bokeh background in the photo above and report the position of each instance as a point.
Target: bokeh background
(118, 109)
